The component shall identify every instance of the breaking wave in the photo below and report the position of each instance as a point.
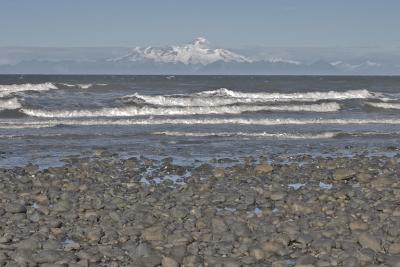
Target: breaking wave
(384, 105)
(165, 111)
(325, 135)
(225, 96)
(9, 103)
(7, 90)
(307, 96)
(191, 121)
(82, 85)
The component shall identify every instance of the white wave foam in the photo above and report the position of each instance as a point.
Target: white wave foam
(140, 111)
(306, 96)
(164, 111)
(185, 101)
(10, 103)
(79, 85)
(384, 105)
(6, 90)
(225, 96)
(191, 121)
(325, 135)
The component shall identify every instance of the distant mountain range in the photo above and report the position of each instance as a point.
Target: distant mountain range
(197, 57)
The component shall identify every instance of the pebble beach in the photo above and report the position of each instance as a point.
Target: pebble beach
(107, 211)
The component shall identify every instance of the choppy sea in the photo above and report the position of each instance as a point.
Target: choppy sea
(44, 119)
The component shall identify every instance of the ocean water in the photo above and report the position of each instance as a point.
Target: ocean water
(45, 119)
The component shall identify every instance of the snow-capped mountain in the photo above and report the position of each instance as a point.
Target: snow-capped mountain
(198, 57)
(196, 52)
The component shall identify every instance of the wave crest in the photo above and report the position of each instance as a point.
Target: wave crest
(191, 121)
(223, 96)
(10, 103)
(306, 96)
(166, 111)
(384, 105)
(325, 135)
(7, 90)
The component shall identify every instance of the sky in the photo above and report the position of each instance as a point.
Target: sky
(225, 23)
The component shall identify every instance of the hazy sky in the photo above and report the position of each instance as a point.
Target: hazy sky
(228, 23)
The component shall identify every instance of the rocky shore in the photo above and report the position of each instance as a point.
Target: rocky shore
(106, 211)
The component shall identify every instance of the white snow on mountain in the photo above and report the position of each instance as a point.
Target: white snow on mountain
(194, 53)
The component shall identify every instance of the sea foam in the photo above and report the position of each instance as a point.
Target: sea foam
(131, 111)
(191, 121)
(325, 135)
(6, 90)
(384, 105)
(225, 96)
(9, 103)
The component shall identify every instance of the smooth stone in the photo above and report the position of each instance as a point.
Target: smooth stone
(381, 182)
(169, 262)
(368, 241)
(306, 259)
(275, 196)
(273, 247)
(22, 257)
(358, 226)
(392, 261)
(363, 177)
(263, 168)
(343, 174)
(153, 261)
(394, 248)
(145, 250)
(28, 244)
(192, 261)
(218, 226)
(62, 206)
(48, 256)
(365, 255)
(257, 253)
(16, 208)
(153, 233)
(325, 244)
(351, 262)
